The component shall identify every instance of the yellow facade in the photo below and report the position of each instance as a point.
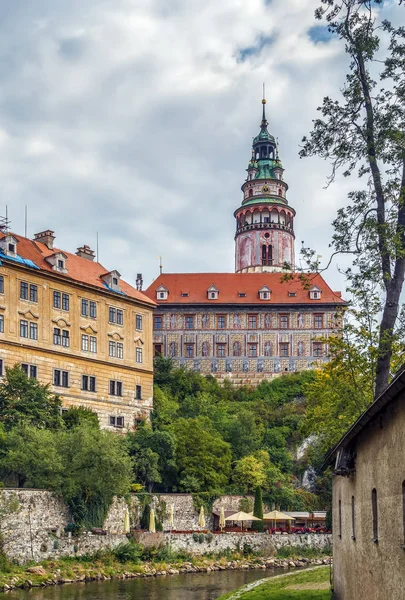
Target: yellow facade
(42, 318)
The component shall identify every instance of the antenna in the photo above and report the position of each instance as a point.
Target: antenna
(264, 91)
(160, 264)
(4, 222)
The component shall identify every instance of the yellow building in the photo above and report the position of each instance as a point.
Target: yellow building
(71, 323)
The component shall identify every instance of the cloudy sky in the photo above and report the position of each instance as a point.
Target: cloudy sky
(134, 118)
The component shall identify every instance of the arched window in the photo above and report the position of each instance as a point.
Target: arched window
(340, 518)
(375, 515)
(264, 254)
(269, 255)
(353, 520)
(280, 192)
(250, 192)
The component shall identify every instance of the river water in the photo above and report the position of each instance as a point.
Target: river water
(193, 586)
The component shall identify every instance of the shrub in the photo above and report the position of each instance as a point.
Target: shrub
(208, 537)
(130, 552)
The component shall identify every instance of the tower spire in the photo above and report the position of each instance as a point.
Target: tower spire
(264, 122)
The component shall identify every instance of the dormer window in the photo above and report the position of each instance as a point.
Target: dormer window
(212, 293)
(58, 262)
(162, 293)
(265, 293)
(112, 280)
(8, 245)
(242, 294)
(315, 293)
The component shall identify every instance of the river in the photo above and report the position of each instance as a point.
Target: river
(193, 586)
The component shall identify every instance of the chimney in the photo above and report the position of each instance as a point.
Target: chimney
(86, 252)
(45, 237)
(139, 282)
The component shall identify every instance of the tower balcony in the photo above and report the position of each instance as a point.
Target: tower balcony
(264, 225)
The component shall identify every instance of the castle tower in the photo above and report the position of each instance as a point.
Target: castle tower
(264, 239)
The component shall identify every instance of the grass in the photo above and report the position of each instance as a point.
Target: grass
(306, 585)
(302, 552)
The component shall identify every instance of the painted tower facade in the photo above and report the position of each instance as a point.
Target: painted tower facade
(264, 239)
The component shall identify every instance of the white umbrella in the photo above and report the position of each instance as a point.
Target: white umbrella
(126, 522)
(276, 515)
(201, 518)
(152, 525)
(242, 516)
(222, 518)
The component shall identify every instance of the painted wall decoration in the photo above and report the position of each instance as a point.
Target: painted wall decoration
(268, 349)
(205, 349)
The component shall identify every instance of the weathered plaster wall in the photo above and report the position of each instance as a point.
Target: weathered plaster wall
(364, 569)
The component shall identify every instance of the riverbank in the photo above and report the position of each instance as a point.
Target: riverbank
(314, 584)
(106, 566)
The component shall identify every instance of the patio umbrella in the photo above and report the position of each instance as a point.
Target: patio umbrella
(276, 515)
(126, 522)
(201, 518)
(242, 516)
(171, 516)
(222, 518)
(152, 526)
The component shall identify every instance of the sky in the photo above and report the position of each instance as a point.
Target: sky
(134, 119)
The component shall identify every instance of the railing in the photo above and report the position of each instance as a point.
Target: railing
(248, 226)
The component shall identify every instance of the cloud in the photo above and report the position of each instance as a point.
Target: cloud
(135, 119)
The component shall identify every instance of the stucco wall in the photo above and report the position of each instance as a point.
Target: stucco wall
(364, 569)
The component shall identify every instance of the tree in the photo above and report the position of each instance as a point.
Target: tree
(258, 509)
(24, 400)
(30, 458)
(201, 456)
(80, 415)
(365, 130)
(250, 473)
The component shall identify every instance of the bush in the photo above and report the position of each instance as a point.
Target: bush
(130, 552)
(208, 537)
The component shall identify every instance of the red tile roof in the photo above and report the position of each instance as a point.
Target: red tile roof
(79, 269)
(231, 285)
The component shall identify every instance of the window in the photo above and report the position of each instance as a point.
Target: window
(189, 350)
(61, 264)
(11, 248)
(85, 342)
(317, 349)
(115, 280)
(112, 349)
(115, 387)
(1, 323)
(61, 378)
(318, 321)
(189, 322)
(292, 294)
(252, 321)
(375, 515)
(284, 349)
(65, 301)
(157, 350)
(120, 317)
(93, 309)
(33, 331)
(183, 295)
(23, 328)
(120, 350)
(138, 392)
(117, 422)
(88, 383)
(61, 337)
(138, 324)
(1, 367)
(85, 308)
(353, 520)
(56, 299)
(1, 284)
(139, 355)
(340, 518)
(221, 322)
(242, 294)
(221, 350)
(162, 295)
(283, 321)
(112, 315)
(252, 350)
(65, 338)
(33, 293)
(24, 290)
(158, 322)
(30, 370)
(93, 344)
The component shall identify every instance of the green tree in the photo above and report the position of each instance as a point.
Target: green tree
(201, 454)
(80, 415)
(250, 473)
(25, 400)
(30, 458)
(365, 130)
(258, 509)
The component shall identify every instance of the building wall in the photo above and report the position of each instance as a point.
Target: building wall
(364, 569)
(47, 356)
(206, 339)
(248, 249)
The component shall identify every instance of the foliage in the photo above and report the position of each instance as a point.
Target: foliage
(245, 505)
(23, 400)
(205, 499)
(128, 553)
(364, 130)
(80, 415)
(258, 509)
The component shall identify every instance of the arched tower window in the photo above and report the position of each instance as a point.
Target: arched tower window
(267, 255)
(250, 192)
(280, 192)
